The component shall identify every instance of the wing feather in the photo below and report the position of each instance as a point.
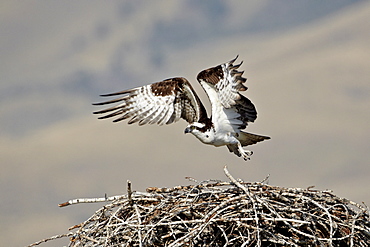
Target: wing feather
(223, 84)
(160, 103)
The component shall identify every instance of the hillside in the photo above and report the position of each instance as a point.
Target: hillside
(307, 69)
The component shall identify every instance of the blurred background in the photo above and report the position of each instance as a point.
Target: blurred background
(308, 69)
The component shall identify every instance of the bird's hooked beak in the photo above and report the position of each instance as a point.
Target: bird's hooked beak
(187, 130)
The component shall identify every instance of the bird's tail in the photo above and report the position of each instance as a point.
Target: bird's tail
(246, 138)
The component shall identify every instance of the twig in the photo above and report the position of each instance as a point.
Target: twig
(246, 191)
(129, 193)
(69, 234)
(91, 200)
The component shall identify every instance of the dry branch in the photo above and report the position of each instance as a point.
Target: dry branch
(216, 213)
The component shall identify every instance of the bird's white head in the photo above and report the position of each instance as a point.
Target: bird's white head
(200, 132)
(193, 127)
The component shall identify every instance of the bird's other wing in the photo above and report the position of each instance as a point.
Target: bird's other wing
(222, 85)
(160, 103)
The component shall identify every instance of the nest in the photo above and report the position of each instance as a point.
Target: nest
(217, 213)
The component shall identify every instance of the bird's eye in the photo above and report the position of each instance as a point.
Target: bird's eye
(207, 136)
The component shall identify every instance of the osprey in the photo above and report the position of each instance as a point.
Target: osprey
(167, 101)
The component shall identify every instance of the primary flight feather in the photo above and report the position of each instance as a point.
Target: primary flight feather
(167, 101)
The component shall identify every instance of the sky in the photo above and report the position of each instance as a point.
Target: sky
(307, 65)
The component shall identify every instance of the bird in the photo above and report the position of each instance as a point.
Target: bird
(168, 101)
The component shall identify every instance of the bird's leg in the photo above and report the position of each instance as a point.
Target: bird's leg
(246, 154)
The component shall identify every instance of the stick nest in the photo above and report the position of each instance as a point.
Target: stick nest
(216, 213)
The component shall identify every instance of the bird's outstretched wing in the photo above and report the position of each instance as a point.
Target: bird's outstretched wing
(160, 103)
(222, 85)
